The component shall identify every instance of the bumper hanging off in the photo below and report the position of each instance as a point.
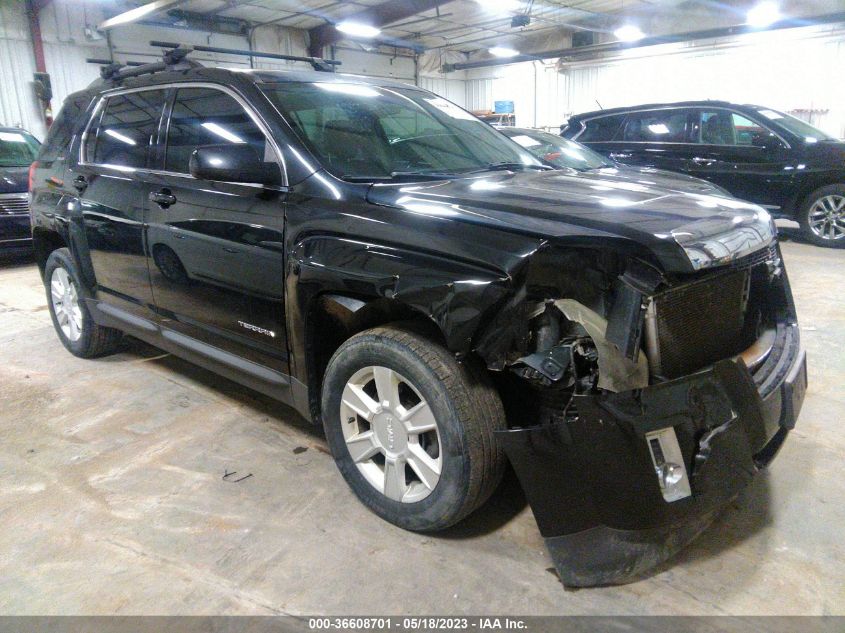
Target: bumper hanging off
(606, 498)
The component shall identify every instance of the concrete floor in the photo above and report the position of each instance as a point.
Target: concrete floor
(112, 498)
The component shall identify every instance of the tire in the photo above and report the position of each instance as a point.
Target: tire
(823, 209)
(80, 335)
(466, 410)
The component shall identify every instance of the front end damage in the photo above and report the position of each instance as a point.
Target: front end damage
(641, 402)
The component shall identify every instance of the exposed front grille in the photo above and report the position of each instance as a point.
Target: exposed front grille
(694, 325)
(14, 203)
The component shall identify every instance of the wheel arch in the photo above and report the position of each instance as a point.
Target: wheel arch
(338, 287)
(44, 242)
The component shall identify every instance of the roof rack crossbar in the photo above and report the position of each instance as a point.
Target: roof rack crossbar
(318, 63)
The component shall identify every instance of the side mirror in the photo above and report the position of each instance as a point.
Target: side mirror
(770, 142)
(237, 162)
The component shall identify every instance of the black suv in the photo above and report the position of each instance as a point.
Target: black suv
(17, 151)
(400, 272)
(758, 154)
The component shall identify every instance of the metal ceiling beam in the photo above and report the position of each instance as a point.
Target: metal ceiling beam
(610, 47)
(379, 15)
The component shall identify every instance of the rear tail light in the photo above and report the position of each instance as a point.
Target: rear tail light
(32, 169)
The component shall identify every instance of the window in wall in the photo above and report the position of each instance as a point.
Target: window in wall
(127, 130)
(205, 116)
(659, 126)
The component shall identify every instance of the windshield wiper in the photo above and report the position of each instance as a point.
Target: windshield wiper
(406, 176)
(510, 166)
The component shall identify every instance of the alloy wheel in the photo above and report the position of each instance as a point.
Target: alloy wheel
(391, 434)
(827, 217)
(66, 307)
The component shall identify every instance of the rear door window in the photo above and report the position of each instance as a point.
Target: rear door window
(126, 133)
(602, 130)
(206, 116)
(657, 126)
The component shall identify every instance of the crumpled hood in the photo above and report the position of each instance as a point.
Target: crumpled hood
(686, 231)
(14, 179)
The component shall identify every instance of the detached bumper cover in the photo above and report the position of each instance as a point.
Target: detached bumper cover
(592, 483)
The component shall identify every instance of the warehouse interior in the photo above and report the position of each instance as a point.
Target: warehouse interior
(141, 484)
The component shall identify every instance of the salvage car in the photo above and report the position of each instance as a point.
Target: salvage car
(434, 296)
(561, 153)
(758, 154)
(17, 151)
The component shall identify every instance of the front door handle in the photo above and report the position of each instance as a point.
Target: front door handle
(162, 198)
(698, 160)
(618, 155)
(80, 183)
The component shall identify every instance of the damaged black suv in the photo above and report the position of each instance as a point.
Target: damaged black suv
(398, 271)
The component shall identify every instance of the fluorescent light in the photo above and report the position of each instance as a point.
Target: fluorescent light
(501, 6)
(12, 137)
(356, 90)
(357, 29)
(763, 15)
(500, 51)
(136, 14)
(223, 133)
(120, 137)
(629, 33)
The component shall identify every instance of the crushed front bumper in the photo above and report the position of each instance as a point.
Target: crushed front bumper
(592, 483)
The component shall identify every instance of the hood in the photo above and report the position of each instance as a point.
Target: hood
(14, 179)
(662, 178)
(828, 153)
(685, 231)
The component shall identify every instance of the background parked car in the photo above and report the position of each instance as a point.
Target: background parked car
(758, 154)
(17, 151)
(561, 153)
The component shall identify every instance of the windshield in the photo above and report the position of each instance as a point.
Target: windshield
(17, 149)
(363, 132)
(796, 126)
(557, 150)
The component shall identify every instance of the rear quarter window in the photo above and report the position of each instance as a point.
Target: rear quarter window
(602, 129)
(70, 120)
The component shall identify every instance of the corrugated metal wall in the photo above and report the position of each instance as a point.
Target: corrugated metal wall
(799, 69)
(452, 89)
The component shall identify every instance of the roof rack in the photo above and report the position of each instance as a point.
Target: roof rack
(317, 63)
(172, 60)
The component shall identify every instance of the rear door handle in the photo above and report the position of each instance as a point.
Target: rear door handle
(618, 155)
(163, 198)
(698, 160)
(80, 183)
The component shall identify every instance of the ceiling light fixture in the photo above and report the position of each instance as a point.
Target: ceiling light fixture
(629, 33)
(501, 51)
(763, 15)
(357, 29)
(501, 6)
(136, 14)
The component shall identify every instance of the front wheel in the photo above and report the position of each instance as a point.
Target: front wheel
(822, 216)
(411, 429)
(71, 318)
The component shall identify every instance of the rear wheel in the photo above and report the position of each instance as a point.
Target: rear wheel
(411, 429)
(71, 318)
(822, 216)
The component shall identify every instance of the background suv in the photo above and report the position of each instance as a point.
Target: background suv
(17, 151)
(758, 154)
